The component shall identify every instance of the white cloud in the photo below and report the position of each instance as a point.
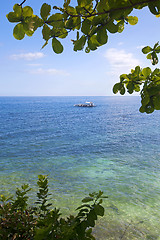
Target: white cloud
(27, 56)
(50, 71)
(120, 61)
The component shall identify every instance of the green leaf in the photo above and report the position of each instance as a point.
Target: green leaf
(97, 20)
(83, 3)
(88, 233)
(111, 27)
(93, 43)
(123, 77)
(25, 186)
(154, 58)
(145, 98)
(102, 36)
(71, 10)
(156, 71)
(120, 26)
(103, 6)
(87, 199)
(66, 3)
(17, 9)
(116, 88)
(18, 31)
(99, 210)
(87, 50)
(15, 16)
(149, 108)
(120, 14)
(146, 49)
(154, 89)
(146, 72)
(137, 69)
(91, 218)
(130, 87)
(86, 26)
(57, 46)
(56, 20)
(113, 3)
(132, 20)
(46, 32)
(142, 109)
(28, 26)
(27, 11)
(77, 23)
(122, 90)
(79, 44)
(156, 102)
(153, 8)
(70, 23)
(137, 88)
(149, 56)
(37, 22)
(157, 50)
(12, 17)
(100, 193)
(156, 45)
(45, 11)
(62, 33)
(29, 33)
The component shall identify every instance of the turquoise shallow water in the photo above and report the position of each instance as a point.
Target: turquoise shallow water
(111, 147)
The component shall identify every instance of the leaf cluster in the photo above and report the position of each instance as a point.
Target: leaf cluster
(143, 80)
(152, 53)
(88, 213)
(17, 220)
(42, 195)
(27, 21)
(40, 222)
(92, 20)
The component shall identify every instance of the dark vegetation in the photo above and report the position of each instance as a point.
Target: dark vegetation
(18, 221)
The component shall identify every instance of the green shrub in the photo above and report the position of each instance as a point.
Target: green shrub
(40, 222)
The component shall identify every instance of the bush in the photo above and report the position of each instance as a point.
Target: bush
(40, 222)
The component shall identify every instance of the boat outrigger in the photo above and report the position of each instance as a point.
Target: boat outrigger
(86, 104)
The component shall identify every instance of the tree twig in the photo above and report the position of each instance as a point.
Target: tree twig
(22, 3)
(111, 10)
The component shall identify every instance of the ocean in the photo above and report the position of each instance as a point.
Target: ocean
(111, 147)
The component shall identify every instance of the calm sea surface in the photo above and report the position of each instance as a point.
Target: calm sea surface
(111, 147)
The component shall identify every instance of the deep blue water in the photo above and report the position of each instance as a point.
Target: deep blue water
(111, 147)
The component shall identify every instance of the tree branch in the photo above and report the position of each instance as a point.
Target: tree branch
(111, 10)
(22, 3)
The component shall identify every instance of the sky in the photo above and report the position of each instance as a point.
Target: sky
(26, 70)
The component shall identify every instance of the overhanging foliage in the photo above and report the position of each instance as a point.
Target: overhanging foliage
(92, 20)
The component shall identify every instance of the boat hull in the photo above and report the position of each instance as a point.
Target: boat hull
(84, 105)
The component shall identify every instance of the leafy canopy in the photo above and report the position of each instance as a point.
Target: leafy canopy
(92, 20)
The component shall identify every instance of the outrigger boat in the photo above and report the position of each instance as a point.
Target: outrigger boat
(86, 104)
